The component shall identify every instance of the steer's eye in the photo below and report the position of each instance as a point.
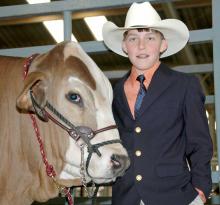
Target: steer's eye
(74, 98)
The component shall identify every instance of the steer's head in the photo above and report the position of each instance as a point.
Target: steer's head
(67, 78)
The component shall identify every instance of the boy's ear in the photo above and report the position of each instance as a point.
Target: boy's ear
(164, 46)
(124, 48)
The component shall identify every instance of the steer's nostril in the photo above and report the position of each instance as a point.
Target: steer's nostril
(119, 164)
(115, 159)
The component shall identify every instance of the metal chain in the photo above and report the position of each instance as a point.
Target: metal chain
(90, 193)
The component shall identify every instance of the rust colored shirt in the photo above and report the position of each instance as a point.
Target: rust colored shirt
(131, 86)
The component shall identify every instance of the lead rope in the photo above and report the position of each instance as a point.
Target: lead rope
(49, 168)
(64, 191)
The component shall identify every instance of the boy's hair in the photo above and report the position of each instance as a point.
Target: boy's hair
(143, 29)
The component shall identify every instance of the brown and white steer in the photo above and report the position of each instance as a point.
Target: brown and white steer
(67, 78)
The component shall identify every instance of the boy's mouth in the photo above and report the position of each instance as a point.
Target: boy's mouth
(142, 56)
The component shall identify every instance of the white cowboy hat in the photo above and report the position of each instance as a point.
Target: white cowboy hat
(143, 15)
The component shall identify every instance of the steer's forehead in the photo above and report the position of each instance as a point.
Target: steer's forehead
(80, 71)
(67, 59)
(83, 66)
(74, 49)
(77, 64)
(102, 83)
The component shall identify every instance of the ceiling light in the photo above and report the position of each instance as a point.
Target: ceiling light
(37, 1)
(55, 27)
(95, 24)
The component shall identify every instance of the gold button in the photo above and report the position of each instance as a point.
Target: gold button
(138, 153)
(137, 129)
(138, 177)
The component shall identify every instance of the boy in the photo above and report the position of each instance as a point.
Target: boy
(160, 115)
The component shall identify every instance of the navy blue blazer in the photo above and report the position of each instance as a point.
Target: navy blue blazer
(170, 130)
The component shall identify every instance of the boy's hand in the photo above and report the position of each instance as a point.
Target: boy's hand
(201, 194)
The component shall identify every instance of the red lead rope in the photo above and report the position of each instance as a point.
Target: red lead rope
(49, 168)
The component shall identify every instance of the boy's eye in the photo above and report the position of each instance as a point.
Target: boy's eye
(132, 39)
(150, 38)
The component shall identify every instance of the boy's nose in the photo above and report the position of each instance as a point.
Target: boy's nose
(142, 44)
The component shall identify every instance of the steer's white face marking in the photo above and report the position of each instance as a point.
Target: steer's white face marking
(93, 111)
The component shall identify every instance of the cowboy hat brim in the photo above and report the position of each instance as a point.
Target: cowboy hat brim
(175, 32)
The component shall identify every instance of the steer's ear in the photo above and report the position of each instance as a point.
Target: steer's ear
(38, 83)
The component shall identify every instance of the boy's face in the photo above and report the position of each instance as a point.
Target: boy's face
(143, 48)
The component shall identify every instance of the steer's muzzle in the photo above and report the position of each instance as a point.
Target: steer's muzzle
(119, 164)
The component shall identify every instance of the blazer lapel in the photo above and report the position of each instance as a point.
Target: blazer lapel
(120, 97)
(161, 80)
